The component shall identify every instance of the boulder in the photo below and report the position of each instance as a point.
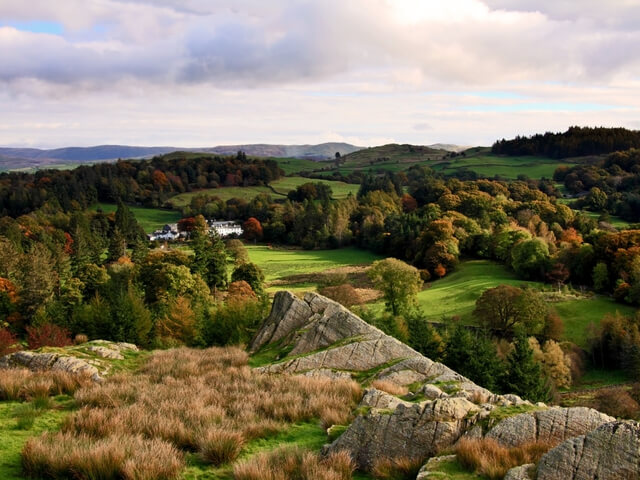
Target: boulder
(50, 361)
(415, 431)
(523, 472)
(552, 425)
(611, 451)
(429, 469)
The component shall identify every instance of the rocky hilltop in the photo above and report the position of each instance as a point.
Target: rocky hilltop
(317, 336)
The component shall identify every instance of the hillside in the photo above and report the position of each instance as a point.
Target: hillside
(32, 158)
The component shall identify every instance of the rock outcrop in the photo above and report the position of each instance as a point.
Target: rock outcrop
(611, 451)
(552, 425)
(67, 361)
(316, 336)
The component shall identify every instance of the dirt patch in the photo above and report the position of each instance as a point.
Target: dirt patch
(353, 275)
(368, 295)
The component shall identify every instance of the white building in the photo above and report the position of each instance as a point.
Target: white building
(226, 229)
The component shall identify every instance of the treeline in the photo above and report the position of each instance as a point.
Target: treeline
(611, 185)
(57, 282)
(575, 142)
(144, 182)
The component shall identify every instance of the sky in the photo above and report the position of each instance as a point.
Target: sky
(196, 73)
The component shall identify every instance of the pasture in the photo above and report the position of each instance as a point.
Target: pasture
(507, 167)
(279, 189)
(278, 264)
(149, 218)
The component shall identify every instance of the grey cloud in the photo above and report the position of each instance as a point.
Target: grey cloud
(253, 43)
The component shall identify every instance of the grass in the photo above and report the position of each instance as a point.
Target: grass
(281, 263)
(221, 414)
(451, 469)
(149, 218)
(296, 165)
(578, 314)
(15, 430)
(507, 167)
(279, 189)
(617, 222)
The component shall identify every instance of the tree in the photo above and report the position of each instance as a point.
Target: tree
(250, 273)
(524, 375)
(210, 259)
(398, 282)
(504, 307)
(529, 258)
(252, 229)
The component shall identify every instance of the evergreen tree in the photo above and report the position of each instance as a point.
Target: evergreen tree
(210, 258)
(524, 375)
(250, 273)
(117, 246)
(424, 338)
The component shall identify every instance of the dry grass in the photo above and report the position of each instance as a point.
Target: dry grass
(285, 464)
(23, 384)
(488, 457)
(205, 401)
(400, 468)
(390, 387)
(81, 457)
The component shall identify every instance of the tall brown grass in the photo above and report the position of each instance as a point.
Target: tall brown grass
(23, 384)
(285, 464)
(81, 457)
(487, 457)
(399, 468)
(204, 401)
(390, 387)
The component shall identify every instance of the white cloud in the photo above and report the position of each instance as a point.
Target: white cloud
(203, 72)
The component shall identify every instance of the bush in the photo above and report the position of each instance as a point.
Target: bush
(617, 403)
(345, 294)
(8, 342)
(48, 335)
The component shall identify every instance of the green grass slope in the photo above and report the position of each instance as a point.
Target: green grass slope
(279, 189)
(149, 218)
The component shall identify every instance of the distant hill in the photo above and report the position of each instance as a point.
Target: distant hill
(30, 158)
(449, 147)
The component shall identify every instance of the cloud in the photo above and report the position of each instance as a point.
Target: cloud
(250, 43)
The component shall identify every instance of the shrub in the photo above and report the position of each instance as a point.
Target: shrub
(401, 468)
(345, 294)
(80, 338)
(48, 335)
(8, 342)
(617, 403)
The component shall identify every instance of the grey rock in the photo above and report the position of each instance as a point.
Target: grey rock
(523, 472)
(552, 425)
(428, 470)
(378, 399)
(104, 352)
(415, 431)
(50, 361)
(288, 314)
(611, 452)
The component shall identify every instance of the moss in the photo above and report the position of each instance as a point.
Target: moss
(450, 386)
(367, 376)
(500, 413)
(271, 353)
(335, 431)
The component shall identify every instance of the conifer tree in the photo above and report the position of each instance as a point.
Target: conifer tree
(524, 375)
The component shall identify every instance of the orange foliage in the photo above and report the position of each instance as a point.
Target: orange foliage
(9, 288)
(440, 271)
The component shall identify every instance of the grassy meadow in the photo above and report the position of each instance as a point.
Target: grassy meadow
(279, 189)
(506, 167)
(149, 218)
(293, 269)
(222, 427)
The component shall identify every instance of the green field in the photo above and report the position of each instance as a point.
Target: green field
(281, 263)
(296, 165)
(149, 218)
(395, 158)
(456, 294)
(280, 189)
(613, 220)
(508, 167)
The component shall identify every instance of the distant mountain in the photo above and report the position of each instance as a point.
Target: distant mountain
(19, 158)
(449, 147)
